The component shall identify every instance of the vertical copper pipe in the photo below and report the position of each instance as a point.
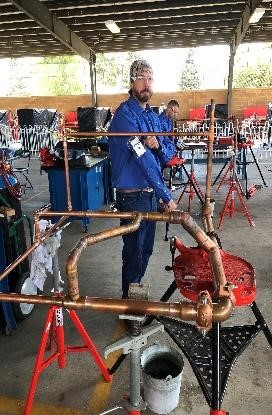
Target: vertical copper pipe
(63, 136)
(88, 240)
(207, 209)
(67, 177)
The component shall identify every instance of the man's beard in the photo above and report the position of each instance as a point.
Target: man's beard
(142, 96)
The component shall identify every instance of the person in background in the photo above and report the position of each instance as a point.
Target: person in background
(169, 115)
(136, 170)
(167, 120)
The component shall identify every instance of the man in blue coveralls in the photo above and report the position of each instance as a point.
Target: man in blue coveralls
(136, 170)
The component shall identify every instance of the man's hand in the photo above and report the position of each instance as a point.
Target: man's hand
(171, 206)
(151, 142)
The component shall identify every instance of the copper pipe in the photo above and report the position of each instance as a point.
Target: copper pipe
(204, 119)
(210, 156)
(207, 210)
(37, 231)
(32, 299)
(67, 176)
(176, 217)
(136, 133)
(222, 310)
(88, 240)
(186, 311)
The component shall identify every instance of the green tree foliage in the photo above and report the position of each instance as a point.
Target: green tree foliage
(190, 78)
(19, 85)
(60, 75)
(113, 69)
(253, 76)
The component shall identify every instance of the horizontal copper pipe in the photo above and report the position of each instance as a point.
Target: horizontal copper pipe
(136, 133)
(32, 299)
(176, 217)
(186, 311)
(91, 239)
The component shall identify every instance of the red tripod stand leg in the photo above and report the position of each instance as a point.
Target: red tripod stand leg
(225, 208)
(84, 335)
(223, 180)
(198, 187)
(39, 361)
(191, 195)
(245, 209)
(182, 193)
(60, 337)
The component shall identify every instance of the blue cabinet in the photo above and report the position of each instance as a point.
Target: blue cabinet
(89, 187)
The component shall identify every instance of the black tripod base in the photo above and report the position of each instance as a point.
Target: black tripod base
(212, 356)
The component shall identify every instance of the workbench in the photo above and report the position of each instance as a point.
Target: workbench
(89, 186)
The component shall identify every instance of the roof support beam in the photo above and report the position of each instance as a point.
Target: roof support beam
(45, 18)
(243, 25)
(236, 40)
(93, 79)
(230, 80)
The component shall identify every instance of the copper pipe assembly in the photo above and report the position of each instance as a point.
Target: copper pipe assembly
(200, 312)
(137, 133)
(67, 177)
(88, 240)
(203, 312)
(177, 217)
(205, 309)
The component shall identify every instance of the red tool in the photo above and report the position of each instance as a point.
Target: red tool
(213, 355)
(193, 274)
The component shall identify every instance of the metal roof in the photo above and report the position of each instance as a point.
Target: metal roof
(27, 30)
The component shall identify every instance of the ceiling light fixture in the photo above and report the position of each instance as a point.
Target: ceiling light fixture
(112, 26)
(256, 15)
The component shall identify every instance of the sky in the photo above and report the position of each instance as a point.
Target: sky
(212, 62)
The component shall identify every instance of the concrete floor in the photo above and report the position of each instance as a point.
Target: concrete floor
(79, 389)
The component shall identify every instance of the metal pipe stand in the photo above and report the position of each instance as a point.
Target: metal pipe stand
(53, 335)
(132, 345)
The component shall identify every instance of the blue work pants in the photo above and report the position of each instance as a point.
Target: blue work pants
(138, 246)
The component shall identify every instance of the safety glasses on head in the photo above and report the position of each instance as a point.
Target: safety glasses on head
(140, 78)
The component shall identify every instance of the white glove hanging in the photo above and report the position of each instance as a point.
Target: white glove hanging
(42, 256)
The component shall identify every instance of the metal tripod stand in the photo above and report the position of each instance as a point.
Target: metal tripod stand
(132, 345)
(53, 335)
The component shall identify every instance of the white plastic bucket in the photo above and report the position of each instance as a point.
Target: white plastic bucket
(162, 368)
